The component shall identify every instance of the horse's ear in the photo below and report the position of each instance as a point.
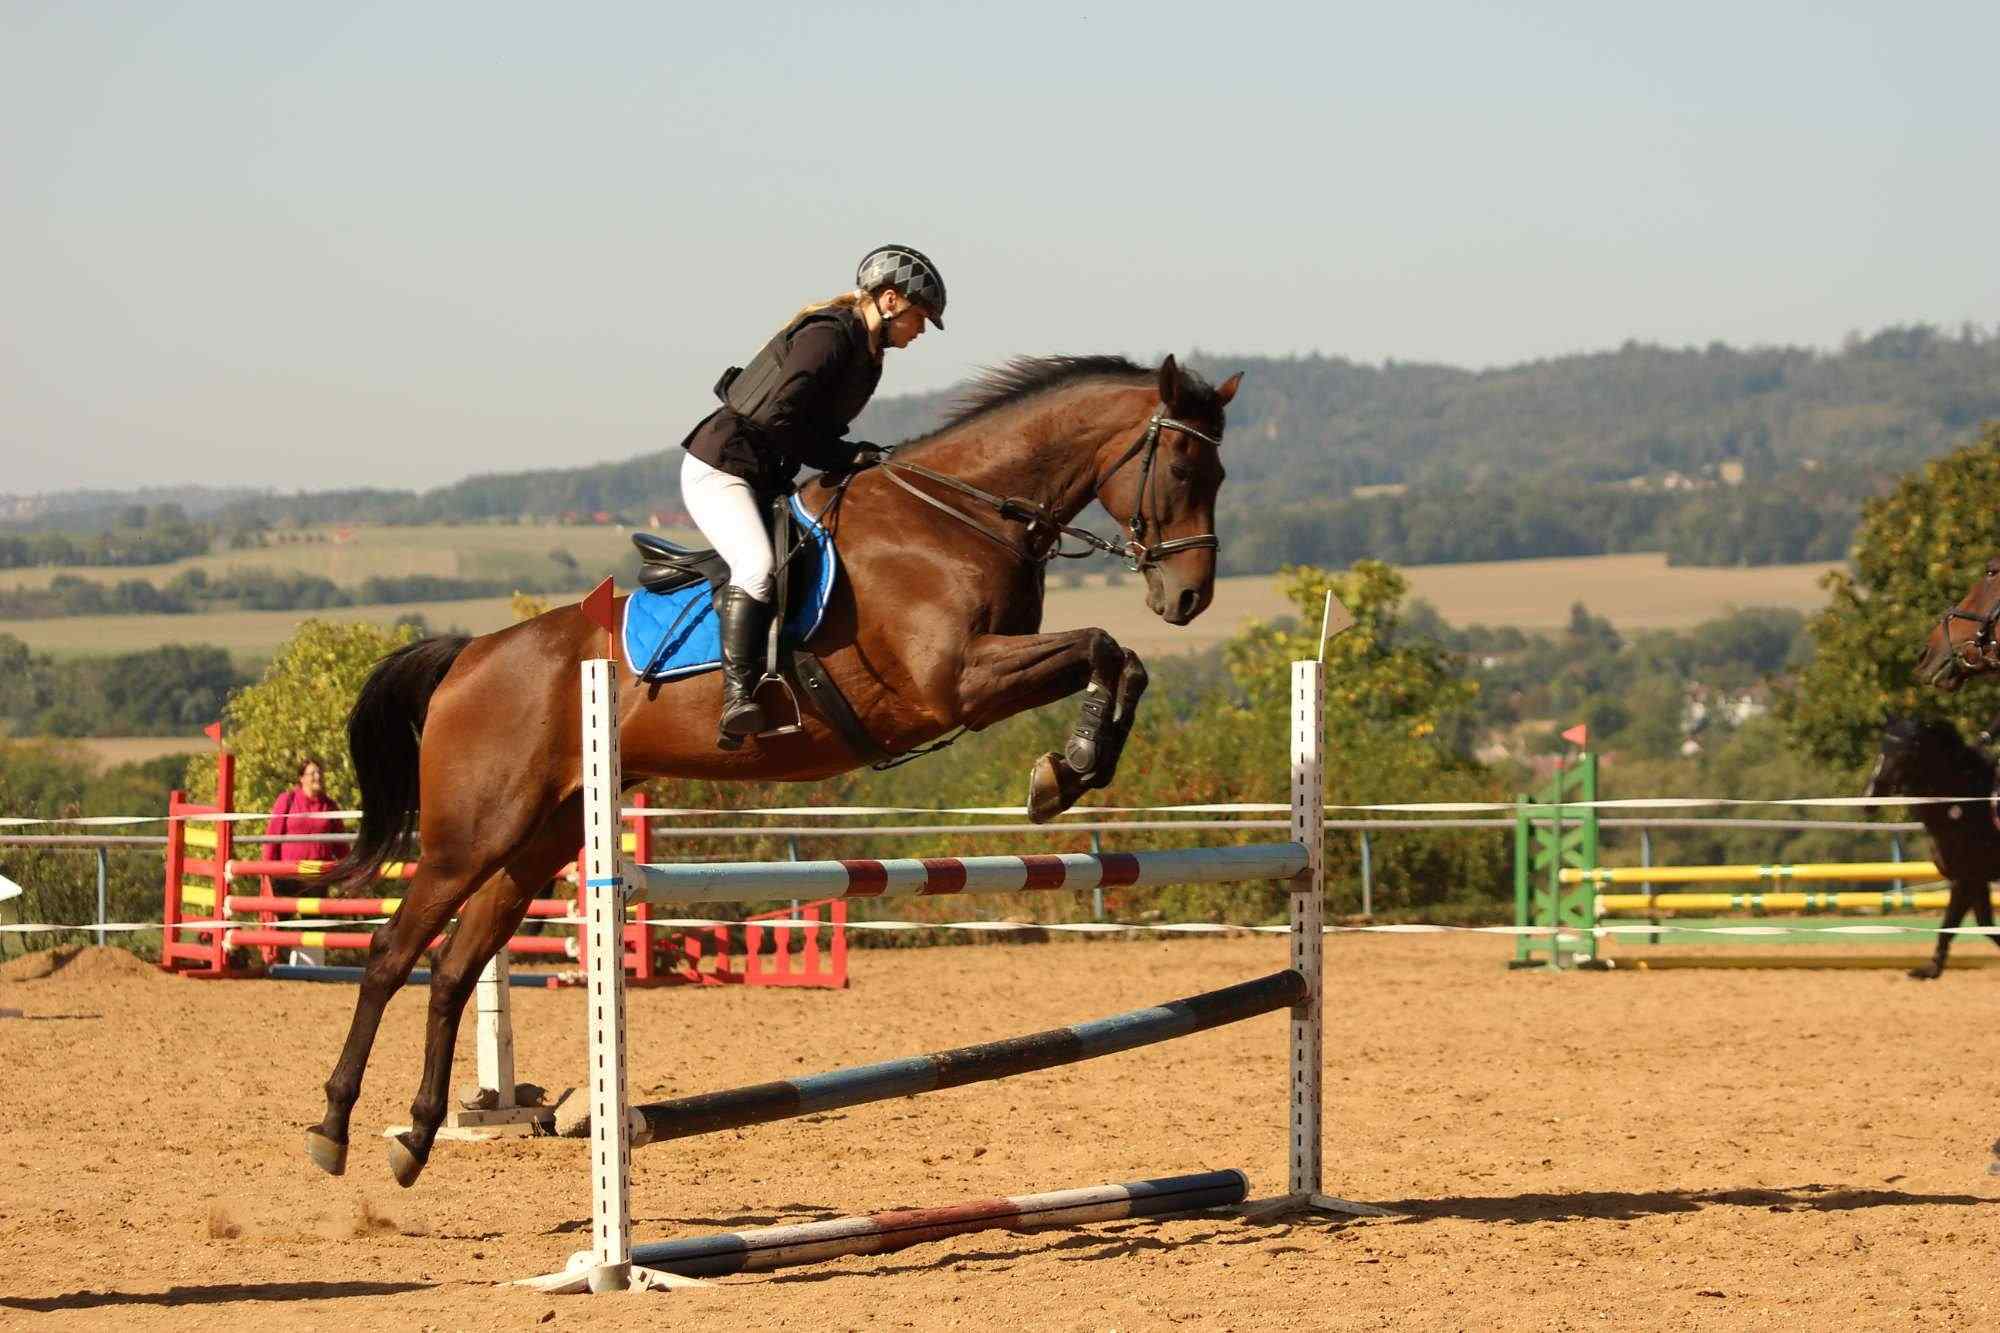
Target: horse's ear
(1170, 383)
(1227, 389)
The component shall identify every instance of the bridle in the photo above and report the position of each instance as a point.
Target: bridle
(1043, 529)
(1985, 648)
(1138, 555)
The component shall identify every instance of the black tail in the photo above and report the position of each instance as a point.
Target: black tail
(383, 734)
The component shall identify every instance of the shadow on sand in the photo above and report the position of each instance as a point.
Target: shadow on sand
(221, 1293)
(1626, 1206)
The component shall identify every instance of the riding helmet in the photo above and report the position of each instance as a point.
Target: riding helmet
(914, 278)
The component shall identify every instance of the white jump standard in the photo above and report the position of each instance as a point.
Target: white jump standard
(609, 1264)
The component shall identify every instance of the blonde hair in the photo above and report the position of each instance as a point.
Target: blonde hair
(856, 300)
(853, 300)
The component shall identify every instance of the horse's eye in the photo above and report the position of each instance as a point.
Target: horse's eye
(1182, 471)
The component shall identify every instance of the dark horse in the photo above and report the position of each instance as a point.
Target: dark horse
(1930, 758)
(474, 744)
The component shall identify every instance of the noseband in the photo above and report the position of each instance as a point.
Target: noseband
(1985, 649)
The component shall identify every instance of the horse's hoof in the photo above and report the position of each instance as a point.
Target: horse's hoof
(327, 1155)
(1045, 793)
(403, 1163)
(1922, 974)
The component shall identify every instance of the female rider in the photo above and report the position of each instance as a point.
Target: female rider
(789, 408)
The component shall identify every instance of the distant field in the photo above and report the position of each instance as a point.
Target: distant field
(365, 551)
(1634, 591)
(110, 751)
(246, 634)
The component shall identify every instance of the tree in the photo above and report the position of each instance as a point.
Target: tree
(1378, 677)
(1917, 552)
(1399, 725)
(299, 707)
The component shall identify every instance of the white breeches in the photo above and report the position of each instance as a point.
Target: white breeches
(726, 510)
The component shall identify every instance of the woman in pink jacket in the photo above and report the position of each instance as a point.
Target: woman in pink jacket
(292, 833)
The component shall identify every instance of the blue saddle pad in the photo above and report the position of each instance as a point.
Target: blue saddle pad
(676, 631)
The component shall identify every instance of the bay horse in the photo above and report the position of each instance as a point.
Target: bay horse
(1931, 758)
(934, 624)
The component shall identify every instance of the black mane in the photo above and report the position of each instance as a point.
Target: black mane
(1024, 377)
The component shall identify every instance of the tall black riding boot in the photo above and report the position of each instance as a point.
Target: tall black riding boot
(744, 622)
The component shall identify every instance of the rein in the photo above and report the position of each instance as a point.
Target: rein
(1042, 525)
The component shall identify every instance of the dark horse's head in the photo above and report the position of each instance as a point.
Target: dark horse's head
(1162, 488)
(1927, 757)
(1962, 643)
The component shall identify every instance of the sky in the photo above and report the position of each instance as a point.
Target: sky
(309, 246)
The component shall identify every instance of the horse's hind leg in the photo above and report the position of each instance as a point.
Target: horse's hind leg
(432, 898)
(488, 921)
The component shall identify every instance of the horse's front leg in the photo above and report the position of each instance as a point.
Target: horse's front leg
(1009, 674)
(1954, 913)
(1115, 729)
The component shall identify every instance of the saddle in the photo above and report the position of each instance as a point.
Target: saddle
(667, 567)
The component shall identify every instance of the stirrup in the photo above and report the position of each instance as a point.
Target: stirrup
(733, 740)
(798, 722)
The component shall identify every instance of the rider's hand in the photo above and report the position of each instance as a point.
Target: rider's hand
(866, 455)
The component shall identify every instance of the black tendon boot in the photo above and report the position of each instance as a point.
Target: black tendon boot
(744, 621)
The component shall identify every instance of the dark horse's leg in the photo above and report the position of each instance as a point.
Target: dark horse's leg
(1009, 674)
(1963, 896)
(488, 920)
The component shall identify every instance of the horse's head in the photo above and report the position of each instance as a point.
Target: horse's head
(1920, 757)
(1162, 488)
(1962, 643)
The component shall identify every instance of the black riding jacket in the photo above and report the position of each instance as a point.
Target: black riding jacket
(828, 375)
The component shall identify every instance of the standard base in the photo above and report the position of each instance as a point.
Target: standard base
(1284, 1205)
(477, 1118)
(582, 1276)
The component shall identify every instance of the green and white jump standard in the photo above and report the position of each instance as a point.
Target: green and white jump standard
(609, 1264)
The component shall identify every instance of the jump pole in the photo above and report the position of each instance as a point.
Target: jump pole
(767, 1248)
(609, 1264)
(861, 1085)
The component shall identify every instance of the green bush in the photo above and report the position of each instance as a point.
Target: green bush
(298, 707)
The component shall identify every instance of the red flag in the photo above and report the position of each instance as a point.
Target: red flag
(1578, 735)
(597, 606)
(213, 731)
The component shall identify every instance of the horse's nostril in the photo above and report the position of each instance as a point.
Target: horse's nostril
(1189, 599)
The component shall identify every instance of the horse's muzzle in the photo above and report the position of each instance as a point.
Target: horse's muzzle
(1947, 676)
(1173, 601)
